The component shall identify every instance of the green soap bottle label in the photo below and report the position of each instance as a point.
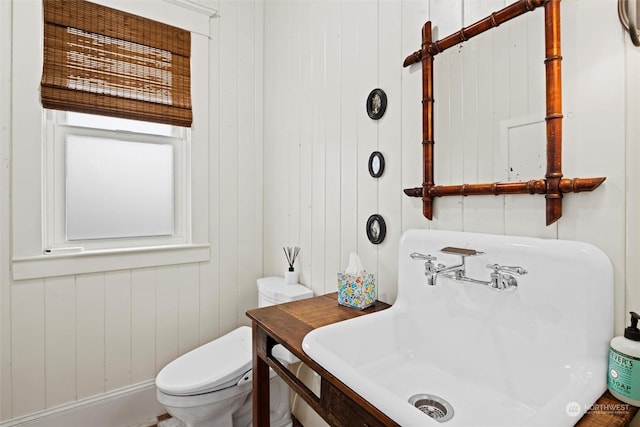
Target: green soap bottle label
(624, 374)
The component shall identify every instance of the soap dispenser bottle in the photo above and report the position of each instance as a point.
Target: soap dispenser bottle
(624, 364)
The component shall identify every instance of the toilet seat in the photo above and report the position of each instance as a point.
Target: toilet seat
(214, 366)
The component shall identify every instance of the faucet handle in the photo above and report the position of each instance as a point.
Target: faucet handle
(416, 255)
(497, 268)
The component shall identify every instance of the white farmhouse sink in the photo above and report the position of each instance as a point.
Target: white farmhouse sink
(533, 356)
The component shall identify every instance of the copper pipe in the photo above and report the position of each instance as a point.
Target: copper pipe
(427, 123)
(496, 18)
(553, 66)
(495, 188)
(413, 192)
(535, 186)
(576, 185)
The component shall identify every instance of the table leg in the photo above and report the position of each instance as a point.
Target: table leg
(260, 378)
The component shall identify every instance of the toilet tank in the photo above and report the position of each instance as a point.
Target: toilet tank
(273, 290)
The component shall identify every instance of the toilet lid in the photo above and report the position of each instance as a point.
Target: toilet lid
(210, 367)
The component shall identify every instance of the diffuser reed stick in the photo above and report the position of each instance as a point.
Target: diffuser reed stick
(291, 253)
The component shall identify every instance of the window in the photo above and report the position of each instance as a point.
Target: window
(114, 183)
(40, 133)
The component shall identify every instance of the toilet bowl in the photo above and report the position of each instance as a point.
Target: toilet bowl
(211, 385)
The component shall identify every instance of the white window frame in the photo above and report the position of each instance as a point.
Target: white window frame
(57, 128)
(29, 260)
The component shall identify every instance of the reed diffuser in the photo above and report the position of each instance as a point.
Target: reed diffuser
(291, 276)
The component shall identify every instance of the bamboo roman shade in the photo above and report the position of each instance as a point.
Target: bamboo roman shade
(103, 61)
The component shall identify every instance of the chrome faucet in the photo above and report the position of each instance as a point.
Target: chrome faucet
(431, 270)
(501, 278)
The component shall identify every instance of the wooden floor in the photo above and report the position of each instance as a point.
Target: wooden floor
(160, 419)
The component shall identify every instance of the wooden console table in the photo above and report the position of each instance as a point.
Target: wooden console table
(338, 405)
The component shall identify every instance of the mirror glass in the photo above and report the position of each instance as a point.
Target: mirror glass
(376, 164)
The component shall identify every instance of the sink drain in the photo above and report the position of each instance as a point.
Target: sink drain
(434, 406)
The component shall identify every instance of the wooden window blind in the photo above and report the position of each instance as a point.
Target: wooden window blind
(103, 61)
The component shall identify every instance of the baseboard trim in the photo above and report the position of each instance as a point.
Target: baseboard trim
(132, 406)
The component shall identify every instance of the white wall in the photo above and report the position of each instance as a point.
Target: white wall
(323, 57)
(68, 337)
(72, 338)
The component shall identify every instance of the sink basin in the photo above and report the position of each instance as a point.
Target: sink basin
(532, 355)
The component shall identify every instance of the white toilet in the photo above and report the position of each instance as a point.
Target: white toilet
(211, 385)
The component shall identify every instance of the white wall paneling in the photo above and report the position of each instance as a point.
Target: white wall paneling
(6, 400)
(363, 21)
(287, 151)
(352, 104)
(143, 324)
(325, 256)
(314, 193)
(594, 139)
(277, 161)
(249, 201)
(117, 329)
(90, 332)
(389, 143)
(632, 294)
(228, 226)
(321, 188)
(309, 109)
(60, 340)
(97, 339)
(490, 107)
(28, 359)
(188, 298)
(166, 315)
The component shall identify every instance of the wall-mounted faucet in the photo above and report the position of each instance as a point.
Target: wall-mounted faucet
(429, 267)
(457, 272)
(501, 277)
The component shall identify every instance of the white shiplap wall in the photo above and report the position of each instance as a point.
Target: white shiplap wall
(68, 338)
(322, 58)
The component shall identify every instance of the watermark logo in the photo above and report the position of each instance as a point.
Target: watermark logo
(609, 408)
(573, 409)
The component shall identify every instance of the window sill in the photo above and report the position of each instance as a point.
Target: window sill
(51, 265)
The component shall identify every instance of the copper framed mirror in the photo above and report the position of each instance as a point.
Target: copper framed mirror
(553, 185)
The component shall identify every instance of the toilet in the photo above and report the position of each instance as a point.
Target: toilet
(211, 385)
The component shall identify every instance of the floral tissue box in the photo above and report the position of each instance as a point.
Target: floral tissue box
(358, 291)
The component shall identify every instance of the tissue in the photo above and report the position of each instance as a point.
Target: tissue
(355, 265)
(356, 287)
